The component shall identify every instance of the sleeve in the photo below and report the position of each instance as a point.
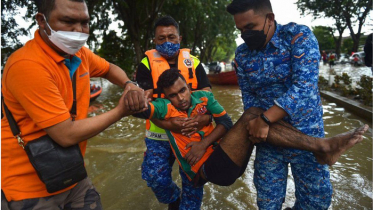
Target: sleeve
(249, 98)
(146, 114)
(202, 79)
(217, 111)
(157, 109)
(36, 91)
(144, 77)
(224, 120)
(303, 92)
(98, 67)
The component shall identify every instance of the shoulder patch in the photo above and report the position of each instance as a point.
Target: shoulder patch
(188, 63)
(299, 56)
(296, 37)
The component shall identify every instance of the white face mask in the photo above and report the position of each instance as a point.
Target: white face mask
(68, 41)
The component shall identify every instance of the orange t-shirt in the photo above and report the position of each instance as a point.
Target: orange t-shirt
(37, 89)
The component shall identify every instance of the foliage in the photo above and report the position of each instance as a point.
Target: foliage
(337, 79)
(346, 13)
(206, 27)
(346, 79)
(323, 83)
(365, 91)
(324, 36)
(347, 46)
(10, 30)
(115, 50)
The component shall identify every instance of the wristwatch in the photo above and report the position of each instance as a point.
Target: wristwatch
(265, 119)
(130, 81)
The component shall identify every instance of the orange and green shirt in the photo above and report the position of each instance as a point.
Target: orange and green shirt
(37, 89)
(202, 102)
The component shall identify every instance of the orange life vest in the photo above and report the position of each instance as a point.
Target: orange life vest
(158, 64)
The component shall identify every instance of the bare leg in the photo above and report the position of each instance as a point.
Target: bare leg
(228, 162)
(326, 150)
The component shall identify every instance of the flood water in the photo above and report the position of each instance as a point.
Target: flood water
(114, 158)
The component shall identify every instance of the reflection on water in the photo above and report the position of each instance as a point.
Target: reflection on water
(114, 160)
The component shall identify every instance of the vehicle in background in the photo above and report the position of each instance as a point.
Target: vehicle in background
(357, 58)
(343, 58)
(214, 67)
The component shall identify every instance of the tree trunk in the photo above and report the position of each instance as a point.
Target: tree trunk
(361, 20)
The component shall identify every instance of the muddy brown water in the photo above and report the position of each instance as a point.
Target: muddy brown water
(114, 158)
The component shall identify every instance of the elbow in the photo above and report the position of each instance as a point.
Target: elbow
(64, 141)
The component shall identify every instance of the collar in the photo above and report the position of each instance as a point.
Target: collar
(47, 49)
(275, 41)
(193, 103)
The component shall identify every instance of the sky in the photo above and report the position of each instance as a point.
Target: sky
(285, 11)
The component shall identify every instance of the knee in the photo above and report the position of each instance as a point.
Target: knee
(251, 113)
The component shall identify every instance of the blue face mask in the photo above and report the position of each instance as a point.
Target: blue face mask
(168, 49)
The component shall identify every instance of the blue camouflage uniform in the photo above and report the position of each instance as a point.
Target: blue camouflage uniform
(285, 73)
(156, 170)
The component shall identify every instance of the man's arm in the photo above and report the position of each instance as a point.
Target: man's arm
(198, 149)
(295, 102)
(119, 77)
(177, 125)
(223, 124)
(68, 132)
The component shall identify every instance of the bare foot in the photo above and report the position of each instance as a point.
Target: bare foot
(337, 145)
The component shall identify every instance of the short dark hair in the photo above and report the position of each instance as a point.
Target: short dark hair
(240, 6)
(166, 21)
(168, 78)
(47, 6)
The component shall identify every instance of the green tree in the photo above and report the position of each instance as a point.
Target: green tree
(347, 46)
(116, 50)
(346, 13)
(325, 37)
(10, 30)
(206, 27)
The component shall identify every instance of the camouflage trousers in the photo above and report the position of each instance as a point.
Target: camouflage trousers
(313, 189)
(156, 171)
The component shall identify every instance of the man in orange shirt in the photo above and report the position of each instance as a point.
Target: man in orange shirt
(37, 89)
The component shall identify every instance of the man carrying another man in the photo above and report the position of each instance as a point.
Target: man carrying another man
(227, 162)
(277, 69)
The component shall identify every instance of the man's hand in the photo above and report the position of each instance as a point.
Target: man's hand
(194, 124)
(133, 102)
(134, 98)
(196, 152)
(258, 130)
(131, 86)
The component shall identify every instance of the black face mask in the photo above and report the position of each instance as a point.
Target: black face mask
(255, 39)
